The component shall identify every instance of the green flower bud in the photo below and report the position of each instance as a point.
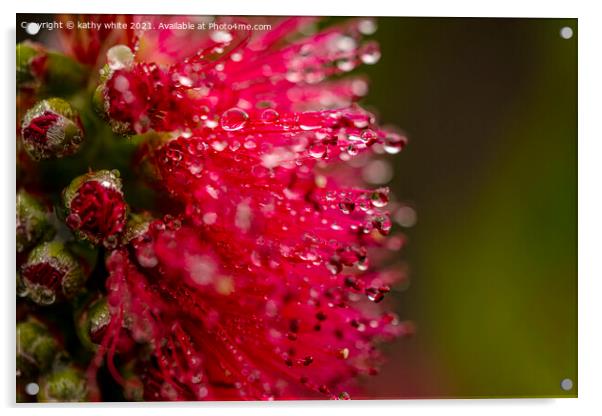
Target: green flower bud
(92, 321)
(32, 222)
(51, 130)
(47, 71)
(96, 208)
(26, 52)
(51, 272)
(64, 384)
(36, 347)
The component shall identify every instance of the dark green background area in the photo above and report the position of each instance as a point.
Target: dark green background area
(490, 106)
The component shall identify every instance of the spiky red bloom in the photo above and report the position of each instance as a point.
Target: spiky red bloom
(262, 286)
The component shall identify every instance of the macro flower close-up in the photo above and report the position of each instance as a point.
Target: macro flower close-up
(193, 222)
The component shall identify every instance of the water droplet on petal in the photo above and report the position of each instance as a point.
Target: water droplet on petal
(317, 150)
(233, 119)
(374, 295)
(219, 145)
(334, 266)
(346, 64)
(345, 43)
(382, 224)
(119, 56)
(269, 116)
(221, 36)
(367, 26)
(347, 206)
(344, 353)
(394, 143)
(379, 198)
(369, 53)
(352, 150)
(209, 218)
(369, 136)
(250, 144)
(310, 121)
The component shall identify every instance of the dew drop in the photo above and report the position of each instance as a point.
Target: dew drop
(374, 295)
(344, 353)
(346, 64)
(195, 170)
(122, 84)
(347, 206)
(221, 36)
(309, 121)
(382, 224)
(219, 145)
(394, 143)
(344, 396)
(345, 44)
(145, 254)
(233, 119)
(379, 198)
(317, 150)
(202, 392)
(334, 267)
(256, 259)
(369, 53)
(209, 218)
(119, 56)
(367, 26)
(269, 116)
(250, 144)
(369, 136)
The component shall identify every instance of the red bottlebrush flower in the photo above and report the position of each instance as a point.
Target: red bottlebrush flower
(249, 72)
(96, 208)
(261, 286)
(51, 129)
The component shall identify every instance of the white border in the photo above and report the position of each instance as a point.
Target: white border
(590, 201)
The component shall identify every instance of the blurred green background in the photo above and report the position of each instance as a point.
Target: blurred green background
(490, 107)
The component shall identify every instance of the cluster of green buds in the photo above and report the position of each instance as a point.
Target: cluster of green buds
(44, 369)
(60, 236)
